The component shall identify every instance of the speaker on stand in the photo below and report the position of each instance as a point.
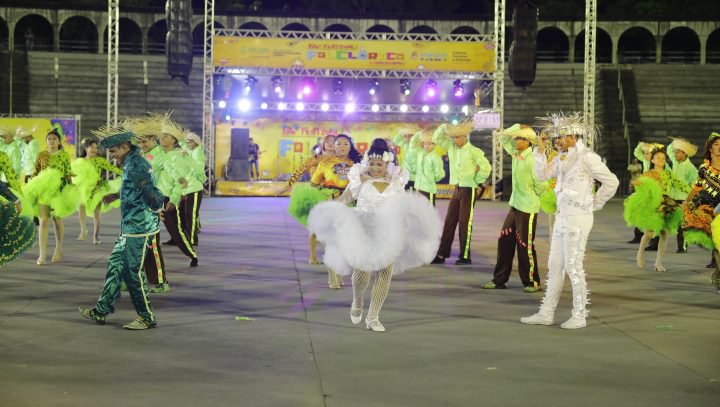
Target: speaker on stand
(523, 51)
(238, 166)
(179, 42)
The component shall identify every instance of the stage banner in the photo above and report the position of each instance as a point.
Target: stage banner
(352, 54)
(286, 145)
(68, 128)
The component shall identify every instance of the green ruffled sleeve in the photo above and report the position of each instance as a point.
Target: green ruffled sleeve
(7, 169)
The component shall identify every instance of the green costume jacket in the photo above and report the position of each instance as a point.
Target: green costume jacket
(427, 167)
(408, 161)
(30, 153)
(526, 189)
(683, 170)
(140, 199)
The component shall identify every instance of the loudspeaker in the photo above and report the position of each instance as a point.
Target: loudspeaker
(239, 144)
(238, 170)
(523, 50)
(179, 41)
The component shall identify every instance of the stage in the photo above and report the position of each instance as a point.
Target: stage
(255, 325)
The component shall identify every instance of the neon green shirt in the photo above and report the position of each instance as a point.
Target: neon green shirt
(428, 167)
(408, 160)
(468, 165)
(684, 170)
(526, 189)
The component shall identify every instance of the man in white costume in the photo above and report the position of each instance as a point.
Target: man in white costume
(576, 168)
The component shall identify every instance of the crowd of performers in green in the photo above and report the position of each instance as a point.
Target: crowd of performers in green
(159, 169)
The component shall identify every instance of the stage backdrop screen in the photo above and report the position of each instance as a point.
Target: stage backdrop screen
(286, 145)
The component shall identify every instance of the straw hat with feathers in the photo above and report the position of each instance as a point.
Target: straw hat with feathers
(561, 124)
(142, 126)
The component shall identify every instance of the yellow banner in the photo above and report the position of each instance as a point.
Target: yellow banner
(286, 145)
(42, 126)
(350, 54)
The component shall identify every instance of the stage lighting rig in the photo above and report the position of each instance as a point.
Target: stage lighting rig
(374, 86)
(337, 85)
(458, 88)
(277, 84)
(431, 88)
(405, 86)
(250, 82)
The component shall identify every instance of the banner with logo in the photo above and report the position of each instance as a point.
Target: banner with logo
(285, 145)
(354, 54)
(68, 128)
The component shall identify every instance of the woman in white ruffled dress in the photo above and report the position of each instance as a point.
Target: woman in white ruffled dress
(388, 231)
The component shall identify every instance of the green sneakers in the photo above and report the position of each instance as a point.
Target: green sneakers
(160, 288)
(139, 324)
(493, 286)
(90, 313)
(532, 289)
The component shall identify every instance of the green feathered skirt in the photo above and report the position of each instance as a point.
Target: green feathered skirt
(303, 199)
(17, 233)
(648, 209)
(49, 188)
(92, 187)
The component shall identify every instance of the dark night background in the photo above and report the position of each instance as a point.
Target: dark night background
(428, 9)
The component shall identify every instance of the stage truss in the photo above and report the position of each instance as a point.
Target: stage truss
(208, 125)
(498, 92)
(209, 70)
(113, 47)
(589, 68)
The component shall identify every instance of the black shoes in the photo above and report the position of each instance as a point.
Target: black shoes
(651, 248)
(438, 260)
(194, 262)
(462, 262)
(681, 251)
(634, 241)
(711, 265)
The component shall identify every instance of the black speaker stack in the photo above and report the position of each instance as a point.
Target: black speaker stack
(179, 41)
(238, 166)
(523, 61)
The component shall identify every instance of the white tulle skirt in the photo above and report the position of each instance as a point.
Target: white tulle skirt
(403, 231)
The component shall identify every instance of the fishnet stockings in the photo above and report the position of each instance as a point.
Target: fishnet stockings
(360, 282)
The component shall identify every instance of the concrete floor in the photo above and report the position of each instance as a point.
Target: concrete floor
(652, 338)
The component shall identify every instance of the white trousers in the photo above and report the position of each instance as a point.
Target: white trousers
(567, 252)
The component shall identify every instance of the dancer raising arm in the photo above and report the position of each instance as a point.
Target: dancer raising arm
(576, 168)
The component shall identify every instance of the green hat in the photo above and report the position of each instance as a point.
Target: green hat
(116, 139)
(110, 136)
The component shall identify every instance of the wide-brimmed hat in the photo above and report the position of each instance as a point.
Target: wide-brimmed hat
(521, 131)
(111, 136)
(190, 136)
(22, 132)
(426, 137)
(462, 129)
(684, 146)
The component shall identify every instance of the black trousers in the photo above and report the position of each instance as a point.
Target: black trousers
(518, 231)
(154, 264)
(459, 213)
(176, 226)
(680, 235)
(429, 196)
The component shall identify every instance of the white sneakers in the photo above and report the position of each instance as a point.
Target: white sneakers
(574, 323)
(538, 319)
(544, 319)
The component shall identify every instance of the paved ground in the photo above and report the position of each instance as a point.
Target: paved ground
(652, 338)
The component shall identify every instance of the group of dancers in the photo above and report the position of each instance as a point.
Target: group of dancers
(355, 206)
(363, 210)
(161, 176)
